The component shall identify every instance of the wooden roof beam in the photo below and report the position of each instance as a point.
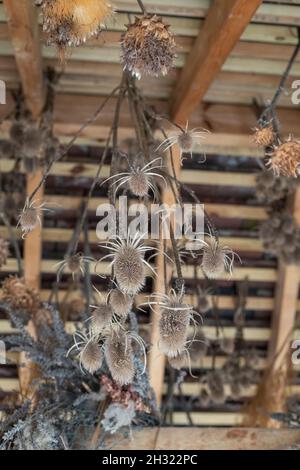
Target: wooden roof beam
(225, 22)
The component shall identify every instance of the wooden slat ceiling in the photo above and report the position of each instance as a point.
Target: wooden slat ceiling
(251, 71)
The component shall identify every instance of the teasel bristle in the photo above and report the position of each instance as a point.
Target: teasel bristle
(180, 361)
(148, 47)
(121, 303)
(119, 356)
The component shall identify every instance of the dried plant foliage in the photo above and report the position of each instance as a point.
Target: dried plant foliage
(148, 47)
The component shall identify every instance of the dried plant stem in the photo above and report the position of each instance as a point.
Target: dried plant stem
(14, 242)
(71, 143)
(142, 7)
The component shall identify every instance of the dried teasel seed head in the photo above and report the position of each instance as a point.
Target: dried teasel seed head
(121, 303)
(227, 345)
(70, 23)
(139, 183)
(74, 263)
(186, 142)
(179, 361)
(4, 251)
(204, 398)
(101, 317)
(91, 356)
(173, 326)
(204, 303)
(199, 345)
(29, 219)
(32, 142)
(285, 158)
(129, 270)
(7, 149)
(264, 136)
(15, 292)
(216, 259)
(235, 390)
(148, 47)
(216, 388)
(119, 357)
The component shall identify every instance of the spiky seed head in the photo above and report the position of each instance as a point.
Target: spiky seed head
(121, 303)
(129, 270)
(213, 261)
(139, 183)
(227, 345)
(204, 398)
(16, 133)
(179, 361)
(4, 251)
(186, 142)
(7, 149)
(119, 357)
(264, 136)
(216, 388)
(91, 356)
(29, 219)
(199, 345)
(285, 159)
(43, 316)
(70, 23)
(32, 142)
(246, 377)
(101, 317)
(173, 328)
(74, 263)
(15, 292)
(148, 47)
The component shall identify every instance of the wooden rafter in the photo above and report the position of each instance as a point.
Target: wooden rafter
(224, 24)
(24, 34)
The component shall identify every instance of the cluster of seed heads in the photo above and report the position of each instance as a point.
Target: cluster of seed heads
(281, 236)
(271, 188)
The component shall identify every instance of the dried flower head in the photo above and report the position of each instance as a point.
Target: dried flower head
(236, 390)
(186, 140)
(71, 23)
(90, 351)
(121, 303)
(74, 263)
(216, 258)
(32, 142)
(30, 216)
(175, 317)
(148, 47)
(128, 262)
(227, 345)
(204, 302)
(204, 398)
(4, 251)
(199, 345)
(139, 179)
(16, 133)
(119, 356)
(285, 158)
(102, 316)
(215, 383)
(15, 292)
(264, 136)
